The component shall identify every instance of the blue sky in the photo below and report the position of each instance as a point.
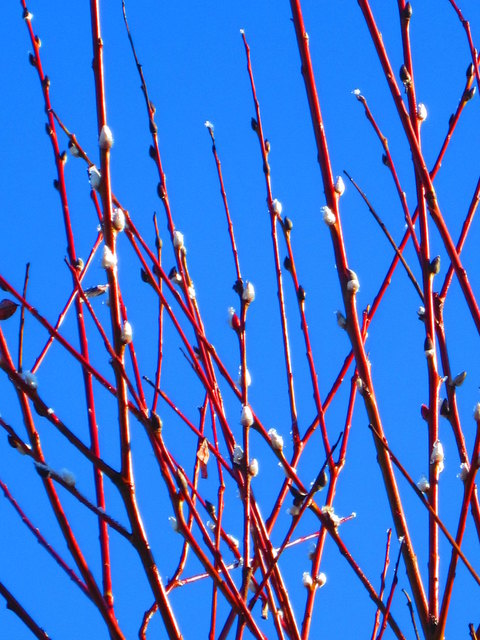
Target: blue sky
(194, 62)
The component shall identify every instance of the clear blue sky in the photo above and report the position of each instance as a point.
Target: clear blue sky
(194, 62)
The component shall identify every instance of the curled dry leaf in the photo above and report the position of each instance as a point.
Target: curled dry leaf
(203, 455)
(7, 308)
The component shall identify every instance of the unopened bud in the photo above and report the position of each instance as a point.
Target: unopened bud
(275, 439)
(423, 484)
(428, 347)
(476, 412)
(277, 207)
(341, 320)
(96, 291)
(407, 12)
(74, 150)
(469, 93)
(444, 408)
(237, 454)
(95, 177)
(30, 379)
(246, 419)
(458, 380)
(435, 266)
(105, 140)
(438, 456)
(339, 186)
(118, 219)
(173, 523)
(233, 319)
(109, 259)
(320, 580)
(464, 471)
(127, 333)
(248, 294)
(321, 481)
(328, 216)
(307, 580)
(353, 285)
(405, 76)
(178, 240)
(253, 467)
(421, 112)
(68, 477)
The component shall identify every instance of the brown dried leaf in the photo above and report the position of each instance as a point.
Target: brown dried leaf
(203, 454)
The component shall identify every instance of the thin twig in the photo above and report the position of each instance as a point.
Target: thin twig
(388, 235)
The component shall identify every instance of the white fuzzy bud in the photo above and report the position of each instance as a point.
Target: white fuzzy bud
(429, 348)
(275, 439)
(118, 219)
(328, 216)
(237, 454)
(341, 320)
(97, 290)
(476, 412)
(360, 386)
(30, 379)
(423, 484)
(293, 511)
(109, 260)
(248, 294)
(464, 471)
(356, 92)
(246, 419)
(248, 378)
(127, 333)
(421, 112)
(321, 580)
(253, 467)
(74, 150)
(105, 139)
(307, 580)
(178, 240)
(173, 523)
(68, 477)
(95, 177)
(339, 186)
(277, 207)
(191, 292)
(233, 540)
(231, 315)
(458, 380)
(353, 285)
(331, 515)
(438, 456)
(209, 125)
